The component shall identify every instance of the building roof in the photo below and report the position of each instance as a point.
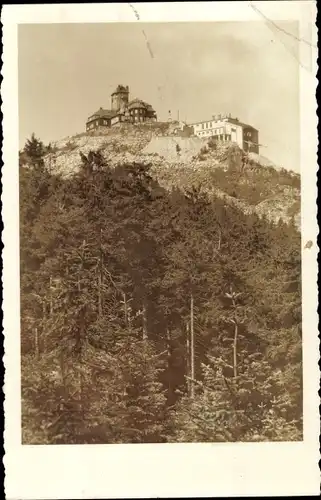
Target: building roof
(120, 88)
(235, 121)
(149, 107)
(109, 113)
(102, 113)
(226, 119)
(137, 103)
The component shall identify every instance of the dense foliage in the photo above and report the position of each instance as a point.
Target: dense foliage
(243, 178)
(153, 316)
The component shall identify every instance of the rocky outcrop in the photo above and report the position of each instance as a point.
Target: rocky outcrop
(179, 161)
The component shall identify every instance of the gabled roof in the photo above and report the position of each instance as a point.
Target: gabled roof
(237, 122)
(102, 113)
(137, 103)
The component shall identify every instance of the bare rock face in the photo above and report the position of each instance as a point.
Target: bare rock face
(175, 149)
(189, 161)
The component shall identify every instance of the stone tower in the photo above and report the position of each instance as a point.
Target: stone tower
(119, 98)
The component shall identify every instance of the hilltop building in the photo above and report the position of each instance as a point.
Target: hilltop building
(226, 128)
(183, 130)
(122, 110)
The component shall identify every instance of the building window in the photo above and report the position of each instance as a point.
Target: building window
(202, 125)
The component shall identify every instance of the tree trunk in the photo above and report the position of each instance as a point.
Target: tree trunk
(100, 308)
(235, 350)
(188, 353)
(37, 343)
(80, 338)
(50, 297)
(145, 334)
(43, 326)
(235, 321)
(100, 278)
(168, 337)
(125, 309)
(219, 239)
(192, 345)
(62, 367)
(129, 318)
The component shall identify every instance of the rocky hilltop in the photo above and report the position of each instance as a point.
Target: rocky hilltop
(250, 181)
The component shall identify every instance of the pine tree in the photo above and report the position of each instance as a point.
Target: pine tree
(126, 287)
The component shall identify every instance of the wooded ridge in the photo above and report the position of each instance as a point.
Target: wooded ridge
(155, 310)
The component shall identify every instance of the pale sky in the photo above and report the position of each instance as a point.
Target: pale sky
(248, 69)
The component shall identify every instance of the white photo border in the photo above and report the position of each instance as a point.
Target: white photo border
(162, 470)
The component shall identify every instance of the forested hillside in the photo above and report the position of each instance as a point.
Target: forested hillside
(251, 182)
(153, 314)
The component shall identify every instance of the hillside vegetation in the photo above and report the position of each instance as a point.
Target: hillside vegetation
(251, 181)
(156, 304)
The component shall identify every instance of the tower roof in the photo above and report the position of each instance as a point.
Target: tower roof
(121, 88)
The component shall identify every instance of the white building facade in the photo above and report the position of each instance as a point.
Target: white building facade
(225, 128)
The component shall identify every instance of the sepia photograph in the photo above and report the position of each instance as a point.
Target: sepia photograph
(159, 242)
(160, 231)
